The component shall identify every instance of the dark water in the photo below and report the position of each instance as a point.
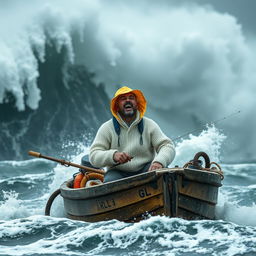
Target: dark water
(71, 109)
(24, 230)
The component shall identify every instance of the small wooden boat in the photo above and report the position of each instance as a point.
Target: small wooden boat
(189, 193)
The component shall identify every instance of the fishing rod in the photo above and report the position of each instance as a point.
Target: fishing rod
(214, 122)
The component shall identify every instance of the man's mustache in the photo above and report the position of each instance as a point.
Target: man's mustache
(128, 104)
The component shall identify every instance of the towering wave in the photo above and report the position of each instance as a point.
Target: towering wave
(48, 102)
(194, 64)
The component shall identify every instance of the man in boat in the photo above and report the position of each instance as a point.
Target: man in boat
(130, 143)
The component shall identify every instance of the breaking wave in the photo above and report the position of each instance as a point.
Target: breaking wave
(192, 72)
(27, 185)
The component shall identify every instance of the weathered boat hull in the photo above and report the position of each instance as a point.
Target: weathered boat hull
(174, 192)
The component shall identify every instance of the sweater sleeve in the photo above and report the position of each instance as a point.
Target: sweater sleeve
(164, 147)
(100, 153)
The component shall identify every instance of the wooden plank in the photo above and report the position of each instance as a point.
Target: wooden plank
(205, 192)
(167, 195)
(107, 188)
(170, 189)
(205, 177)
(131, 213)
(113, 201)
(136, 180)
(197, 207)
(174, 194)
(130, 198)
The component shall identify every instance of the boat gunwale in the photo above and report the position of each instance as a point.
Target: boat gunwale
(134, 181)
(107, 188)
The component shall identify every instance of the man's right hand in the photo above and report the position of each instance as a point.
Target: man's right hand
(121, 157)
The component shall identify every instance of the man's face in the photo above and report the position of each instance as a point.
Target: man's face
(127, 105)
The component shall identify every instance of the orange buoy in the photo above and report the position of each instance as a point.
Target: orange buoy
(77, 180)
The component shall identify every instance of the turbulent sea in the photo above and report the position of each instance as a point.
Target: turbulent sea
(60, 63)
(24, 230)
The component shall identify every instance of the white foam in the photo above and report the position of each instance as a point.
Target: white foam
(209, 140)
(62, 174)
(33, 25)
(149, 237)
(22, 163)
(218, 42)
(229, 208)
(242, 215)
(189, 68)
(12, 207)
(25, 225)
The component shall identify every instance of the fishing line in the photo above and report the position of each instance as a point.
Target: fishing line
(205, 125)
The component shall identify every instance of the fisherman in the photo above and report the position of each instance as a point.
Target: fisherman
(130, 143)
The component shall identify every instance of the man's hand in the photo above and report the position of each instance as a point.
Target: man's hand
(155, 166)
(122, 157)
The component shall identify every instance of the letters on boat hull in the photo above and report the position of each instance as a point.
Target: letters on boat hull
(174, 192)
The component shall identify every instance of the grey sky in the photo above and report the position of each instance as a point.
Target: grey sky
(243, 10)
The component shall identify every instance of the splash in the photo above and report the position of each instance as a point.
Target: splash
(35, 26)
(242, 215)
(62, 174)
(12, 207)
(190, 71)
(210, 141)
(235, 212)
(154, 236)
(211, 56)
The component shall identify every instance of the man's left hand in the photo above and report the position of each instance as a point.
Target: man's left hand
(155, 166)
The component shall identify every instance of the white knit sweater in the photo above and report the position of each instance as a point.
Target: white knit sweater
(157, 147)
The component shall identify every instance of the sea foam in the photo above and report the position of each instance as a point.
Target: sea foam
(12, 207)
(210, 140)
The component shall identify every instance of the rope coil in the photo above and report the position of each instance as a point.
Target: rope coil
(217, 169)
(81, 179)
(209, 165)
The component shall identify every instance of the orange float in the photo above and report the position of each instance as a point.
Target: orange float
(77, 180)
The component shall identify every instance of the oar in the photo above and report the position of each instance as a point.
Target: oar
(66, 163)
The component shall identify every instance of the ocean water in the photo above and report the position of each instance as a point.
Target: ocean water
(24, 230)
(60, 63)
